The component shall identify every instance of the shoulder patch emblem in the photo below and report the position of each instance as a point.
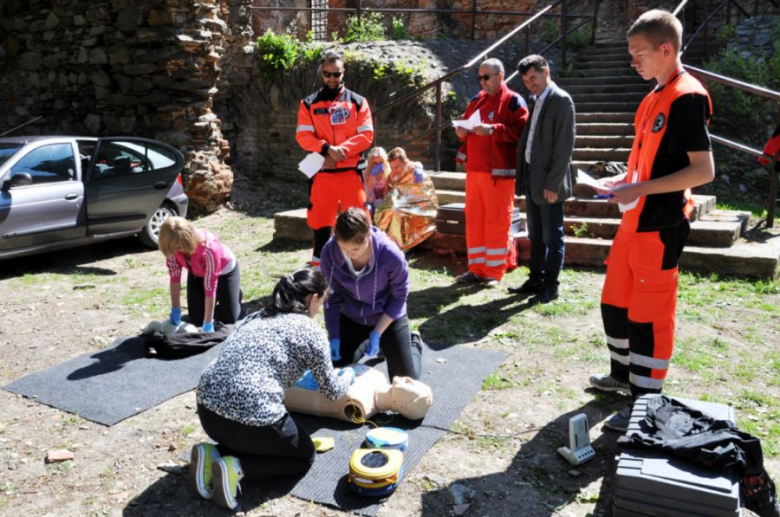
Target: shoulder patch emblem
(659, 123)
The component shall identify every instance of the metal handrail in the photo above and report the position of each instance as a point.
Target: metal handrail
(438, 85)
(740, 85)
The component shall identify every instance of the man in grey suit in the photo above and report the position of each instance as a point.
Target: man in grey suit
(545, 176)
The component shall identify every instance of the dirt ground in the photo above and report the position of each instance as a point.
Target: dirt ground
(502, 449)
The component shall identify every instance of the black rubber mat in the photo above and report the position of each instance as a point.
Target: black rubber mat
(455, 374)
(114, 383)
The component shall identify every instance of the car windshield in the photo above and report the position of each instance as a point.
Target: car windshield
(8, 150)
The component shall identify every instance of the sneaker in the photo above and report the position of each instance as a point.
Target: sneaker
(227, 474)
(605, 382)
(490, 282)
(619, 421)
(202, 457)
(468, 278)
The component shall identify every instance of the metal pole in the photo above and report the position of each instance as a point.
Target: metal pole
(593, 23)
(473, 19)
(528, 41)
(437, 132)
(564, 29)
(728, 13)
(770, 213)
(706, 40)
(358, 10)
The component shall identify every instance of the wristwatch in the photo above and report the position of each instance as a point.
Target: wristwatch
(490, 131)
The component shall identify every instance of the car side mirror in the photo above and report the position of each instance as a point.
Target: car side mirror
(17, 180)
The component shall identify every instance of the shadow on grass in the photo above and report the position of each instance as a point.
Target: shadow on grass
(539, 480)
(280, 245)
(68, 261)
(465, 323)
(173, 495)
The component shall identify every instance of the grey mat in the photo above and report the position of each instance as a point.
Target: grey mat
(455, 374)
(115, 383)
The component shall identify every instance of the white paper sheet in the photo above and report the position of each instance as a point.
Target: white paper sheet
(470, 123)
(584, 178)
(312, 164)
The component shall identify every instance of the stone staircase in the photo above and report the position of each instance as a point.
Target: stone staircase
(606, 93)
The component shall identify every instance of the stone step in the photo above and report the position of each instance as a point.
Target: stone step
(602, 118)
(603, 141)
(742, 259)
(643, 89)
(607, 129)
(633, 98)
(605, 72)
(611, 80)
(607, 107)
(619, 154)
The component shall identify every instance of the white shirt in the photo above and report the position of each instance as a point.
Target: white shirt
(534, 118)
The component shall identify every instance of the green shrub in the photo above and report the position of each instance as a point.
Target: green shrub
(398, 29)
(579, 38)
(277, 52)
(370, 27)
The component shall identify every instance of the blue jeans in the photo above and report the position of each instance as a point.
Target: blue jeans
(545, 231)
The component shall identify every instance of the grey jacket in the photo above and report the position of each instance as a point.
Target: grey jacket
(553, 144)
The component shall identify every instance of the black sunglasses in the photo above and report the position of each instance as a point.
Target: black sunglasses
(485, 77)
(331, 74)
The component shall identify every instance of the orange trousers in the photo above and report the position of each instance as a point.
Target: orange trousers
(489, 206)
(639, 304)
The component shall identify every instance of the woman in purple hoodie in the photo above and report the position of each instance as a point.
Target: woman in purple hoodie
(366, 309)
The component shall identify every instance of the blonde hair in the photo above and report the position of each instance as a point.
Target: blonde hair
(177, 232)
(658, 27)
(373, 154)
(397, 153)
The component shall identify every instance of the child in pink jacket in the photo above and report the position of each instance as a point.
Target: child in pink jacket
(213, 280)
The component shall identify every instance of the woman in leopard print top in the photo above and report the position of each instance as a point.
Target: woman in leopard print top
(240, 395)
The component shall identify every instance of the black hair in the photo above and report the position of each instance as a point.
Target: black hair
(290, 293)
(533, 61)
(352, 225)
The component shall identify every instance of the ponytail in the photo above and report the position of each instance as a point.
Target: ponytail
(291, 291)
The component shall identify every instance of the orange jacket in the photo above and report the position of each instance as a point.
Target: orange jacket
(496, 153)
(341, 118)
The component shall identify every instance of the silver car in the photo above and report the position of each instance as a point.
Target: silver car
(60, 192)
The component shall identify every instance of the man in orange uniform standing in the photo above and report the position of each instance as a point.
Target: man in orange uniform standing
(490, 153)
(335, 122)
(671, 154)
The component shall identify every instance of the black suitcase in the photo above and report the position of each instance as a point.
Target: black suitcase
(451, 219)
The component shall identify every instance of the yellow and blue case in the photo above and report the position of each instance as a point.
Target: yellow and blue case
(375, 472)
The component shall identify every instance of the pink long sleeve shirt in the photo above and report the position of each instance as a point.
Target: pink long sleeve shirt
(210, 259)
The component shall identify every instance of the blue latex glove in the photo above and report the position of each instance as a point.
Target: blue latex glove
(208, 326)
(350, 372)
(176, 316)
(307, 382)
(418, 173)
(377, 169)
(335, 349)
(373, 344)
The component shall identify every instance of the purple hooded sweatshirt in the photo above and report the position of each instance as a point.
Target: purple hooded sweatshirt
(383, 289)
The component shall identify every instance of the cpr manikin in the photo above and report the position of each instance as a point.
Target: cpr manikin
(370, 394)
(168, 327)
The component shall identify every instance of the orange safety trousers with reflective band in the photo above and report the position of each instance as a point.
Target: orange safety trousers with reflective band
(639, 303)
(489, 206)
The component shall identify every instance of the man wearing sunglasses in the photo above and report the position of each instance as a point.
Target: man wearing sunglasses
(489, 151)
(336, 123)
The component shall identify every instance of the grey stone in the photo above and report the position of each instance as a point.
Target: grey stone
(31, 61)
(93, 123)
(79, 20)
(127, 124)
(49, 35)
(118, 55)
(140, 69)
(83, 55)
(100, 78)
(128, 19)
(52, 20)
(98, 57)
(460, 494)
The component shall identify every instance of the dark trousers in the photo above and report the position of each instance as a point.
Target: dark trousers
(321, 238)
(228, 298)
(279, 449)
(545, 231)
(404, 359)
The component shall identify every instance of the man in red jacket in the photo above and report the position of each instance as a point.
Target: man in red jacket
(489, 151)
(336, 123)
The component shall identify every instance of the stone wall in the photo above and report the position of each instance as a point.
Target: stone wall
(149, 69)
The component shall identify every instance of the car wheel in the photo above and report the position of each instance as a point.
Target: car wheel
(151, 231)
